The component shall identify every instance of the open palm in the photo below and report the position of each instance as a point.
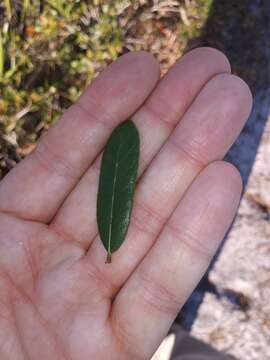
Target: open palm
(59, 300)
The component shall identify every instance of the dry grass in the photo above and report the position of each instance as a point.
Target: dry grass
(50, 50)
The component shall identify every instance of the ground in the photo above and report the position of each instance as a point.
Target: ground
(235, 316)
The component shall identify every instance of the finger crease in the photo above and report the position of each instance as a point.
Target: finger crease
(107, 286)
(146, 219)
(159, 296)
(190, 155)
(190, 241)
(92, 116)
(52, 162)
(158, 116)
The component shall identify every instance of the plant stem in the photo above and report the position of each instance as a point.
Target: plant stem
(1, 56)
(8, 9)
(109, 258)
(25, 8)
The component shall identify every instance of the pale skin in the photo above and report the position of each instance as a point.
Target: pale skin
(59, 300)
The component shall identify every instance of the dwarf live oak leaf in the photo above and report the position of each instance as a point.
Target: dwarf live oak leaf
(117, 181)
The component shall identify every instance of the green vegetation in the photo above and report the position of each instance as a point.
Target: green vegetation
(198, 11)
(50, 50)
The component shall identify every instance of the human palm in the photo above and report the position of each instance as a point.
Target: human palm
(59, 300)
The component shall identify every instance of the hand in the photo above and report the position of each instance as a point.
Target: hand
(59, 300)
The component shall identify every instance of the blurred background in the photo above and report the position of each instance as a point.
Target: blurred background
(51, 49)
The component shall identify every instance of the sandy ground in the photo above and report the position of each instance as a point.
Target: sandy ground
(235, 317)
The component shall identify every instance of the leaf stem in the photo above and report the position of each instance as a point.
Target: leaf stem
(109, 258)
(7, 4)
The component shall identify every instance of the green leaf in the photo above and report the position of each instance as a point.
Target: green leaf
(116, 185)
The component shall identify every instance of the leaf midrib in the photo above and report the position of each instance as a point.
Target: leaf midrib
(113, 198)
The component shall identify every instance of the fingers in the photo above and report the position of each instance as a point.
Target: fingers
(38, 185)
(153, 295)
(204, 134)
(156, 120)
